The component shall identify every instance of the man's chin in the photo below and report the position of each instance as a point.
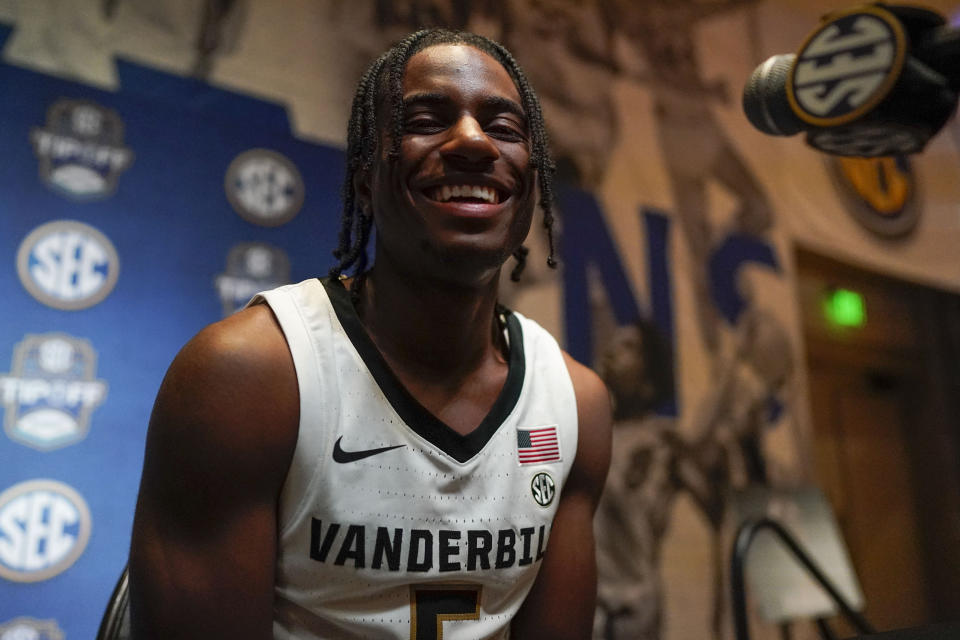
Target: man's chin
(469, 262)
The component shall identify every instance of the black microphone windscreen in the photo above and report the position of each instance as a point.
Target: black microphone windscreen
(765, 100)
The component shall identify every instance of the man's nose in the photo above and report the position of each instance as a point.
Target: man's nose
(470, 143)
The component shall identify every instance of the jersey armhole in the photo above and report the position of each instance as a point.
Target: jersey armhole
(302, 474)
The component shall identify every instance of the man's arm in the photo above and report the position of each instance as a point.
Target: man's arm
(221, 437)
(561, 603)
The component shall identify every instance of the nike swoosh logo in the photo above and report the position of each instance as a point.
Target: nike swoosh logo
(341, 456)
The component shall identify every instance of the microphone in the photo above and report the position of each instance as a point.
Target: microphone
(876, 80)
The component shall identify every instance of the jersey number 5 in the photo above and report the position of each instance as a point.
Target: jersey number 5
(431, 605)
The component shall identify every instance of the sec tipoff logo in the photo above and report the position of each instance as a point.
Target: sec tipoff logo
(251, 267)
(264, 187)
(81, 150)
(67, 265)
(30, 629)
(44, 528)
(543, 489)
(51, 391)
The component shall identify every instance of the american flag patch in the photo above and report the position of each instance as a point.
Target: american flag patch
(536, 445)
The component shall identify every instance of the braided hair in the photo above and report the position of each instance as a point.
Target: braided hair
(384, 80)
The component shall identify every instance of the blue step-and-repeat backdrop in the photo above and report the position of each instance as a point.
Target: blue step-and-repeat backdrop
(128, 221)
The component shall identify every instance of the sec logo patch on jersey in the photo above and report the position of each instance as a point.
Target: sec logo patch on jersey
(68, 265)
(543, 489)
(51, 391)
(44, 527)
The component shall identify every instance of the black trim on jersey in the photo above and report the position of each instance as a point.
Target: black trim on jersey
(460, 447)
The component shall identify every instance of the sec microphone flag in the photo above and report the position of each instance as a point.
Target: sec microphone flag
(536, 445)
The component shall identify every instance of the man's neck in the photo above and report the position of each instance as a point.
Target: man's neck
(434, 329)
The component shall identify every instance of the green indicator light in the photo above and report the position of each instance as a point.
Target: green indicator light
(845, 308)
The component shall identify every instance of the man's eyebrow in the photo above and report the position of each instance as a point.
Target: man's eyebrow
(499, 103)
(438, 99)
(488, 103)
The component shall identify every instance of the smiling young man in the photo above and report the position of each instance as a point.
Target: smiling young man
(392, 455)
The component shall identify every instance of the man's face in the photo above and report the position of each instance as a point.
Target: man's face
(458, 201)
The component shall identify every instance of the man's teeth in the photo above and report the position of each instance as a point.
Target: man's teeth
(446, 192)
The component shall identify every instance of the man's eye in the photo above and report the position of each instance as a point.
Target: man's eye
(506, 131)
(423, 124)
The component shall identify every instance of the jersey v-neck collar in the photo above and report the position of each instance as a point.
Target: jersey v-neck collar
(460, 447)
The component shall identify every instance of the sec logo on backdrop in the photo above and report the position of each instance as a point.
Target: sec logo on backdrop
(51, 391)
(264, 187)
(81, 150)
(44, 527)
(25, 628)
(68, 265)
(252, 267)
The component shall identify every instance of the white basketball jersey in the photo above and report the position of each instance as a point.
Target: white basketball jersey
(393, 525)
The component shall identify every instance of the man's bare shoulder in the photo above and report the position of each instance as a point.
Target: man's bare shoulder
(232, 386)
(586, 382)
(220, 441)
(252, 333)
(594, 415)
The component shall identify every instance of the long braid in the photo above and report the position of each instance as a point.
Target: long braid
(384, 79)
(354, 230)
